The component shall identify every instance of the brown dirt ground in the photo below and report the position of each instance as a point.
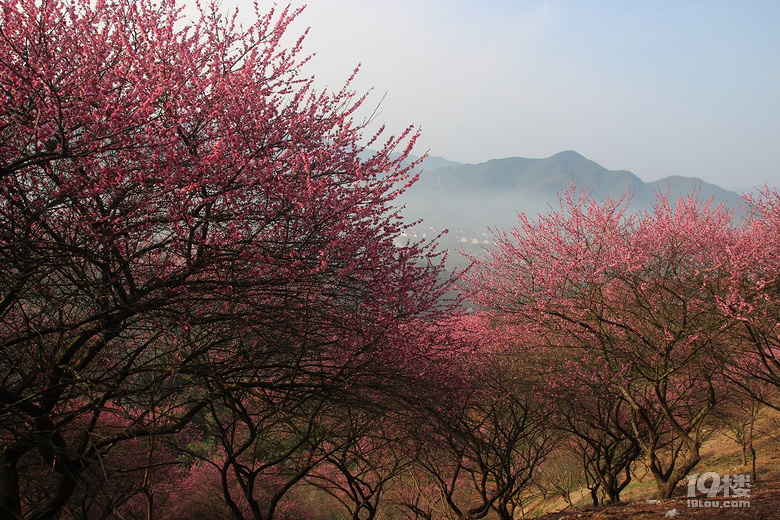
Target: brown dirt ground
(719, 454)
(764, 505)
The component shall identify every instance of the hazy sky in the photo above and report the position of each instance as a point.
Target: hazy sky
(656, 87)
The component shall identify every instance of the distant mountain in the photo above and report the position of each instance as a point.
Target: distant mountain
(542, 179)
(678, 185)
(470, 198)
(433, 162)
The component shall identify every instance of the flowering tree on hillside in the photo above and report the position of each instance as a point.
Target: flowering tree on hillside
(600, 424)
(370, 452)
(631, 300)
(489, 440)
(754, 299)
(183, 218)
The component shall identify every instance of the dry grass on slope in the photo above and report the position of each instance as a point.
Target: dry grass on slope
(721, 455)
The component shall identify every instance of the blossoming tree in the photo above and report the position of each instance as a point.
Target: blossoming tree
(184, 218)
(631, 300)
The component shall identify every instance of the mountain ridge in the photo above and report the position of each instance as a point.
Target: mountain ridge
(469, 199)
(556, 171)
(543, 179)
